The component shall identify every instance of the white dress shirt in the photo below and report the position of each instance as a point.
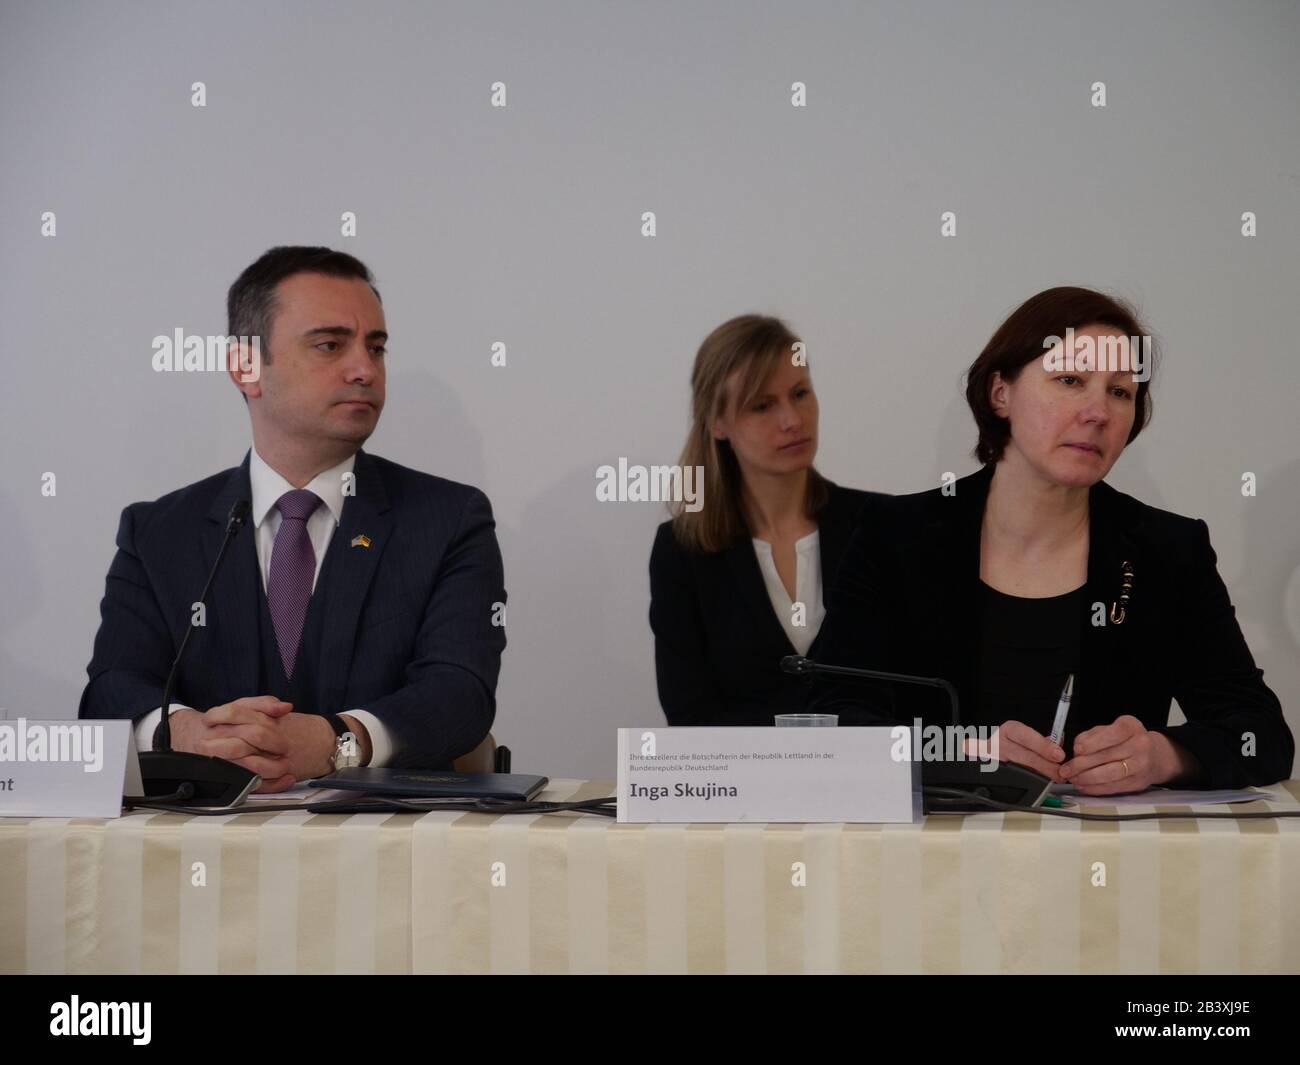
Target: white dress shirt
(268, 486)
(807, 588)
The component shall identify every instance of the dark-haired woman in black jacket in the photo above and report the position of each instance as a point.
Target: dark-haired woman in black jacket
(1010, 580)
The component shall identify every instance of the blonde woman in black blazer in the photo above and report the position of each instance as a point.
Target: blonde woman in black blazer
(728, 581)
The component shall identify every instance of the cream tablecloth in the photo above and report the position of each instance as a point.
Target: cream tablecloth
(470, 893)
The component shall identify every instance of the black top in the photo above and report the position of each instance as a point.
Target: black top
(907, 601)
(718, 642)
(1028, 647)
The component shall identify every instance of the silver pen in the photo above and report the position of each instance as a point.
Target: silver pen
(1062, 711)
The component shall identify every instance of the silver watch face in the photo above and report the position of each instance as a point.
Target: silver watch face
(346, 751)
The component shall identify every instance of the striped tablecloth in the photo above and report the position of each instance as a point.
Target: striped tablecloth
(470, 893)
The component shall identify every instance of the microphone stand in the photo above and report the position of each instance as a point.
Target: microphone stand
(1008, 783)
(188, 779)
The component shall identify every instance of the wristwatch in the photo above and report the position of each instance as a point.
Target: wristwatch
(347, 752)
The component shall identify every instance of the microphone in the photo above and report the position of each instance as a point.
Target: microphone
(806, 667)
(946, 785)
(197, 779)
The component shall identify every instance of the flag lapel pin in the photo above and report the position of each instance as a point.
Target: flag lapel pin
(361, 541)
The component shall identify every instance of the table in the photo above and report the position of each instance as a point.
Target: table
(470, 893)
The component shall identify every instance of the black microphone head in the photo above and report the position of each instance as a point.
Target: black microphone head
(238, 514)
(794, 664)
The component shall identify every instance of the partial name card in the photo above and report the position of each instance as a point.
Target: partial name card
(66, 768)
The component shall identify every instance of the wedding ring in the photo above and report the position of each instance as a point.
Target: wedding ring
(1125, 765)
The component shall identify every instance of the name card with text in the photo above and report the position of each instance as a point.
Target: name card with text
(804, 775)
(66, 768)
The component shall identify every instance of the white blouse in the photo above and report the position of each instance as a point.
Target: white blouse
(807, 589)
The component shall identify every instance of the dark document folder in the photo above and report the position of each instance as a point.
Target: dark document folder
(434, 784)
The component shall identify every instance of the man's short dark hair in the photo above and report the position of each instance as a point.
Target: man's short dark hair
(1019, 341)
(250, 303)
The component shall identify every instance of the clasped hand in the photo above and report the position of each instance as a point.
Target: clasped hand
(262, 734)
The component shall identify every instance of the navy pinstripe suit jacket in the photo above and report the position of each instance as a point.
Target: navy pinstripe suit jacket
(413, 631)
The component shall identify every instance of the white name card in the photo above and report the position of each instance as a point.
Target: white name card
(66, 768)
(765, 774)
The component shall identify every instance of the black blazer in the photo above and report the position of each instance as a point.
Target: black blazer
(907, 602)
(718, 642)
(408, 634)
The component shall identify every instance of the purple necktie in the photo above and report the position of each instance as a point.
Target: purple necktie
(293, 571)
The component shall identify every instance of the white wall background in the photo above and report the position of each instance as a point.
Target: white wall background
(523, 225)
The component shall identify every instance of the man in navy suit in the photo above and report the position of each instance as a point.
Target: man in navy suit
(360, 597)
